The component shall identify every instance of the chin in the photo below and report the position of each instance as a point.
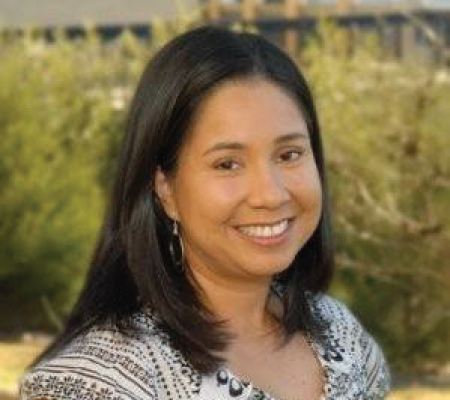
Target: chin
(267, 268)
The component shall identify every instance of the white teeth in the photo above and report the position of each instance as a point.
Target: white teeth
(266, 230)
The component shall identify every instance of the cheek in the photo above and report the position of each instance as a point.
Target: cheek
(212, 200)
(316, 194)
(224, 198)
(308, 191)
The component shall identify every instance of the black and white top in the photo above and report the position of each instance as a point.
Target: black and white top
(105, 365)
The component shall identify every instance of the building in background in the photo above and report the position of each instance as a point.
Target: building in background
(418, 29)
(109, 17)
(406, 28)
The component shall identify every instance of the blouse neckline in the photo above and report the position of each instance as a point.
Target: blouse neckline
(320, 361)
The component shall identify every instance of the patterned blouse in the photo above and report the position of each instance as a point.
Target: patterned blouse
(106, 365)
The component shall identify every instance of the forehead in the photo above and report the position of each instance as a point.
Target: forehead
(246, 110)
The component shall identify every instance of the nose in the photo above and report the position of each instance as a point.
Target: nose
(267, 187)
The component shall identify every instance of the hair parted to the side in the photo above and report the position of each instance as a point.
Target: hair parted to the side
(132, 266)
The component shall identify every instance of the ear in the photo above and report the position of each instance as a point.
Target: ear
(164, 190)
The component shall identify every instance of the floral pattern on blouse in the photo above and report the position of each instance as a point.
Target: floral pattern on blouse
(103, 364)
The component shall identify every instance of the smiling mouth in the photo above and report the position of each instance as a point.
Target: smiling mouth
(266, 231)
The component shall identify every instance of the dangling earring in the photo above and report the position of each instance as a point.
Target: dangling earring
(178, 233)
(179, 261)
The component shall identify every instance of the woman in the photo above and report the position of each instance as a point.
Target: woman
(209, 277)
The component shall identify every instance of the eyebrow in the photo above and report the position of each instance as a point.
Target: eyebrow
(239, 146)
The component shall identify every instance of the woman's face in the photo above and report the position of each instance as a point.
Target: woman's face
(246, 192)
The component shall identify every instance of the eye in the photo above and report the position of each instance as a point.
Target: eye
(291, 155)
(227, 165)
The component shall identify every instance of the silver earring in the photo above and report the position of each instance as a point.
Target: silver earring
(177, 259)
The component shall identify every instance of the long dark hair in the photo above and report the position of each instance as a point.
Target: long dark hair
(132, 267)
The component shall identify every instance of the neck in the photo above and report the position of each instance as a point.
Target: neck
(247, 307)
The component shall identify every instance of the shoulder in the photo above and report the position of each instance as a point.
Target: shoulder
(334, 312)
(340, 321)
(103, 363)
(350, 349)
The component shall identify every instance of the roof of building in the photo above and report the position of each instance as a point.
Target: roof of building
(425, 4)
(51, 13)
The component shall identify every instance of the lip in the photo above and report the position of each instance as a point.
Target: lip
(268, 241)
(289, 219)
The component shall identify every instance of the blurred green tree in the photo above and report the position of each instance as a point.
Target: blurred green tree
(385, 125)
(61, 118)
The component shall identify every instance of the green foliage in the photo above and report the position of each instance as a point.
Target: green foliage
(385, 126)
(61, 116)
